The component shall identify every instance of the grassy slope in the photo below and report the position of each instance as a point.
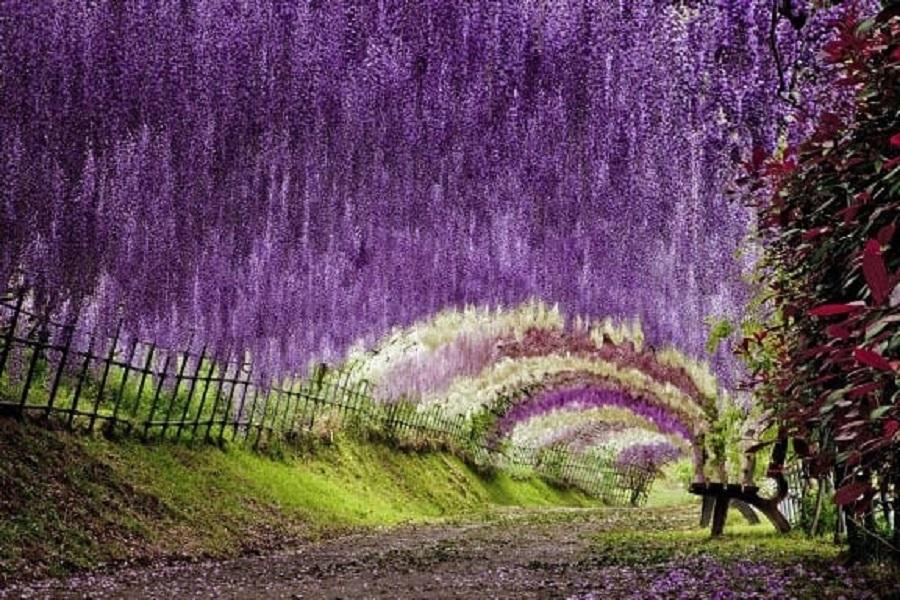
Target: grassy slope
(69, 502)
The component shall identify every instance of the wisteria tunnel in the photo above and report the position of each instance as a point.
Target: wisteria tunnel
(284, 179)
(520, 231)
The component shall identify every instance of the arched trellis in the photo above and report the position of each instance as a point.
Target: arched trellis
(423, 362)
(574, 388)
(626, 353)
(493, 362)
(513, 376)
(585, 390)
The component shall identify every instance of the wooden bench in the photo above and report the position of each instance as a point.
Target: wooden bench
(717, 497)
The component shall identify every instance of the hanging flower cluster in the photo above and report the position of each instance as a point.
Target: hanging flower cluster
(649, 456)
(285, 178)
(583, 398)
(427, 356)
(563, 425)
(469, 395)
(605, 430)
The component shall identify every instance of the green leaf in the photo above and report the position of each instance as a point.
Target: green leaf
(880, 412)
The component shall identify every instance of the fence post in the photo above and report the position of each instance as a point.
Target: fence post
(109, 358)
(253, 403)
(32, 365)
(68, 332)
(81, 376)
(156, 394)
(262, 422)
(215, 406)
(287, 396)
(178, 378)
(140, 391)
(206, 381)
(296, 396)
(236, 380)
(11, 334)
(240, 413)
(190, 396)
(313, 396)
(121, 394)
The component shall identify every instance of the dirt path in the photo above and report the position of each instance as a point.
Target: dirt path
(518, 555)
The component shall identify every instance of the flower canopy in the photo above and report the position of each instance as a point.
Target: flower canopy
(288, 177)
(282, 179)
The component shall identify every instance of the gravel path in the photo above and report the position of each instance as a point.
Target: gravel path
(516, 555)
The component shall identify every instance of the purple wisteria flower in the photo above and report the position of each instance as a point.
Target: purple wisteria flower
(289, 177)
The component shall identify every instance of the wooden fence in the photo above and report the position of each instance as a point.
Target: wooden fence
(89, 380)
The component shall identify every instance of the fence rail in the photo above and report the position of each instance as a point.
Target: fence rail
(90, 380)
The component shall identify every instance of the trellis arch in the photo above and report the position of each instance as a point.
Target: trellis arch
(469, 394)
(493, 362)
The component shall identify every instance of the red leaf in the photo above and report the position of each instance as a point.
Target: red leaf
(895, 140)
(830, 123)
(822, 379)
(784, 167)
(895, 55)
(815, 351)
(892, 163)
(890, 428)
(875, 272)
(849, 213)
(850, 492)
(864, 504)
(835, 50)
(756, 160)
(827, 310)
(871, 359)
(836, 331)
(862, 390)
(885, 234)
(814, 233)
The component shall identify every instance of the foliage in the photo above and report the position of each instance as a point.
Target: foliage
(719, 331)
(827, 360)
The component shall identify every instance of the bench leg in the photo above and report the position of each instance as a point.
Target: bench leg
(774, 515)
(706, 510)
(720, 511)
(746, 510)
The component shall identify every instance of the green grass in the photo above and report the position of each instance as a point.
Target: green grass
(666, 492)
(69, 501)
(666, 534)
(740, 542)
(348, 484)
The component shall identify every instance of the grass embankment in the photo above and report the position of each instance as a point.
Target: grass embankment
(69, 502)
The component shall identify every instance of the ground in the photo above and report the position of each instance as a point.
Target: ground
(83, 516)
(75, 502)
(514, 553)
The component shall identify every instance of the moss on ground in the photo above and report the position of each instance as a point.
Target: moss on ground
(69, 502)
